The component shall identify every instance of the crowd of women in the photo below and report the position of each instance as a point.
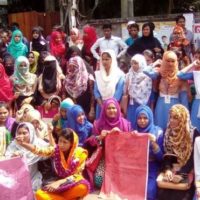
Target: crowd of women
(58, 104)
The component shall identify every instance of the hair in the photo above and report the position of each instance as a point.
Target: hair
(135, 26)
(106, 54)
(179, 17)
(4, 105)
(68, 134)
(22, 126)
(107, 25)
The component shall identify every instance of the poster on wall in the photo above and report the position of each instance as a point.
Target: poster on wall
(196, 31)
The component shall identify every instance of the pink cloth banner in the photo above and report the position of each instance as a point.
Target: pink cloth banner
(15, 182)
(126, 167)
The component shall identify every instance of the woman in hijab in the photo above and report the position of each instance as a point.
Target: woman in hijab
(38, 42)
(24, 82)
(137, 87)
(8, 63)
(33, 57)
(171, 89)
(26, 132)
(179, 140)
(49, 82)
(79, 123)
(145, 124)
(6, 89)
(109, 80)
(110, 121)
(16, 47)
(147, 41)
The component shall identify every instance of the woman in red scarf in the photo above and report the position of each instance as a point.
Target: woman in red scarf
(6, 89)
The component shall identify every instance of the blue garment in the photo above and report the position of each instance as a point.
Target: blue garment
(118, 94)
(196, 102)
(131, 114)
(83, 130)
(129, 41)
(155, 158)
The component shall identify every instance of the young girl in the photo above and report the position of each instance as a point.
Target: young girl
(79, 123)
(69, 162)
(33, 57)
(137, 87)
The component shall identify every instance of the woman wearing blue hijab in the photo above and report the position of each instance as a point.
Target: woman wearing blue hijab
(79, 123)
(145, 124)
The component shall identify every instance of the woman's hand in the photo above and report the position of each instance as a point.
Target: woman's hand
(16, 154)
(169, 175)
(103, 134)
(19, 140)
(53, 186)
(56, 117)
(115, 129)
(152, 137)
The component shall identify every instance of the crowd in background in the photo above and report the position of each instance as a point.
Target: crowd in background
(61, 95)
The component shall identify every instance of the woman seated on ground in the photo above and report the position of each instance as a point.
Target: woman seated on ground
(6, 124)
(24, 82)
(110, 121)
(69, 161)
(178, 159)
(145, 124)
(79, 123)
(60, 119)
(25, 132)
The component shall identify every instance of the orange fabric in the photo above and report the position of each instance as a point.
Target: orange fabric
(78, 191)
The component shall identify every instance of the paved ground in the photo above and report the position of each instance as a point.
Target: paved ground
(93, 196)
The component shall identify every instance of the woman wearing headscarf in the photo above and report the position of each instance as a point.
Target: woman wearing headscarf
(179, 140)
(6, 89)
(144, 123)
(57, 46)
(49, 82)
(8, 63)
(171, 89)
(79, 85)
(60, 120)
(137, 87)
(147, 41)
(110, 121)
(75, 38)
(26, 132)
(24, 82)
(33, 57)
(79, 123)
(69, 162)
(38, 42)
(109, 80)
(16, 47)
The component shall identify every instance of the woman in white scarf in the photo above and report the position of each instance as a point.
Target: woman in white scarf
(137, 87)
(109, 79)
(26, 131)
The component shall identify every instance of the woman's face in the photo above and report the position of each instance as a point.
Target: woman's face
(148, 59)
(146, 31)
(106, 61)
(58, 39)
(23, 68)
(111, 111)
(3, 114)
(73, 36)
(31, 58)
(81, 118)
(142, 120)
(64, 144)
(63, 113)
(17, 38)
(135, 65)
(170, 62)
(70, 69)
(36, 35)
(23, 133)
(173, 120)
(36, 124)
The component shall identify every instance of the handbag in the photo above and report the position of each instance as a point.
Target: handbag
(179, 182)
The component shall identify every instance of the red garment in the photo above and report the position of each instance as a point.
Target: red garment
(89, 38)
(57, 48)
(6, 88)
(126, 166)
